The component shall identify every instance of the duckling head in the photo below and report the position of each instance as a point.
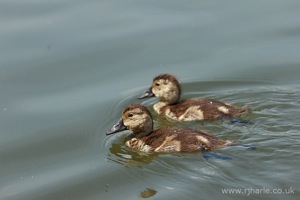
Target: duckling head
(166, 87)
(136, 118)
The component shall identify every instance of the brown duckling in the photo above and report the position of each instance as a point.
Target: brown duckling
(138, 119)
(167, 88)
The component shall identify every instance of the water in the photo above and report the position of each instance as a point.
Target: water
(68, 68)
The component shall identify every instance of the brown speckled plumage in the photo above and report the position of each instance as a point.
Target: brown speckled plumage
(185, 139)
(209, 107)
(167, 88)
(167, 139)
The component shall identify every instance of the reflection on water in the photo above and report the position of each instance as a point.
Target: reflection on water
(121, 154)
(148, 193)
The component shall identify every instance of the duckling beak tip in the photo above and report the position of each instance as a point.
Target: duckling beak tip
(118, 127)
(148, 93)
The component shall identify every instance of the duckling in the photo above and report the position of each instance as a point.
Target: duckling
(167, 88)
(138, 119)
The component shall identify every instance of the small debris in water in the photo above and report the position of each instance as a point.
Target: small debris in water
(148, 193)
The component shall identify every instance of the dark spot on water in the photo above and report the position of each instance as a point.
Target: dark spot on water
(106, 187)
(147, 193)
(234, 120)
(212, 155)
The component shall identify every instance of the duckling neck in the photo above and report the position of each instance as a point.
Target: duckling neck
(158, 107)
(144, 130)
(142, 134)
(171, 98)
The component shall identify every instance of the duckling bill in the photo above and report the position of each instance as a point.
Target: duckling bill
(138, 119)
(166, 87)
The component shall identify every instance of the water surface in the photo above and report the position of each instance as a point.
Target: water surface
(68, 68)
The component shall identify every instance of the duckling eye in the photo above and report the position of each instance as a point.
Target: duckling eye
(130, 115)
(157, 84)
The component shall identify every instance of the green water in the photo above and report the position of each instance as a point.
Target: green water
(68, 68)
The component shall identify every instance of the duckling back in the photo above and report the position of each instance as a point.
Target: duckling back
(199, 109)
(177, 139)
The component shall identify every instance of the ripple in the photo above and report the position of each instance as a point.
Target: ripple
(271, 105)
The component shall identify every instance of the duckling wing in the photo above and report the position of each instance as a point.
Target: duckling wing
(200, 139)
(213, 109)
(182, 139)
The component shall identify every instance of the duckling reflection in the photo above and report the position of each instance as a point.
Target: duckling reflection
(120, 154)
(167, 88)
